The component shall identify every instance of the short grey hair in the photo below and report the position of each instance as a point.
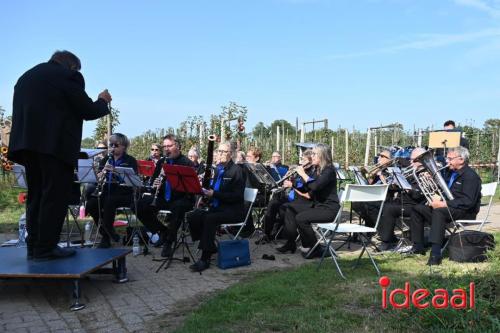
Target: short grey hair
(195, 151)
(462, 152)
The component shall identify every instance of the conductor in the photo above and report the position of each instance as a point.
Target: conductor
(50, 104)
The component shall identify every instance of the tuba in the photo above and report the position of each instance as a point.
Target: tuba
(429, 179)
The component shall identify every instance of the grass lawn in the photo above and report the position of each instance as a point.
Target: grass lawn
(306, 300)
(10, 209)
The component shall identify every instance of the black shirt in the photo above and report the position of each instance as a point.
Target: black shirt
(126, 161)
(324, 188)
(466, 190)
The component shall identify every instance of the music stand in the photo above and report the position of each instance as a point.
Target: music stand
(131, 179)
(400, 181)
(182, 179)
(444, 140)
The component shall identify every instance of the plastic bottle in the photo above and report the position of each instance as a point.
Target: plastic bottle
(88, 228)
(22, 229)
(81, 214)
(136, 248)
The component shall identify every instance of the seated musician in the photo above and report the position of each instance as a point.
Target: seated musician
(226, 196)
(177, 203)
(276, 169)
(194, 156)
(288, 193)
(368, 211)
(465, 186)
(240, 157)
(110, 193)
(403, 203)
(155, 155)
(322, 208)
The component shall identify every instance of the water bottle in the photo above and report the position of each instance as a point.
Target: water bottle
(86, 235)
(136, 248)
(22, 229)
(81, 214)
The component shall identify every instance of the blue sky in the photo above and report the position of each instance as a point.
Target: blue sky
(358, 63)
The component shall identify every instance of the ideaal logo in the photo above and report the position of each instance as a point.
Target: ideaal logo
(419, 297)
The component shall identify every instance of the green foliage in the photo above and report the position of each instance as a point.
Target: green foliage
(101, 129)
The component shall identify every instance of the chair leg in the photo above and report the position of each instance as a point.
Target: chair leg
(334, 255)
(369, 255)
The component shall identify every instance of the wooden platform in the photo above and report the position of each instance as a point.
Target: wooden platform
(15, 265)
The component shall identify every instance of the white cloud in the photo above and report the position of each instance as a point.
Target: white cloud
(492, 8)
(426, 41)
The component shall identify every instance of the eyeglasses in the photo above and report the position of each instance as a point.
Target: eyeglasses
(155, 149)
(168, 146)
(220, 151)
(114, 145)
(452, 158)
(380, 155)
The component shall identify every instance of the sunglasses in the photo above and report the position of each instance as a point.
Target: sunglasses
(114, 145)
(155, 149)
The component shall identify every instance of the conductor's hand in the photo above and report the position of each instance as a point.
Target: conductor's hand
(208, 193)
(105, 95)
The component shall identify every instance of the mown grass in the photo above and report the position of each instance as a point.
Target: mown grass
(307, 300)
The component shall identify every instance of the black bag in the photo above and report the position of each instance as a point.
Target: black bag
(470, 246)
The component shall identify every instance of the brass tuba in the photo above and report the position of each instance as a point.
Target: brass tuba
(429, 179)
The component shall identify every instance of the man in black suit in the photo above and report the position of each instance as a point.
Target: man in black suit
(50, 104)
(227, 205)
(178, 203)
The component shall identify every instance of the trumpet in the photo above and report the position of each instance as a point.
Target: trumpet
(371, 172)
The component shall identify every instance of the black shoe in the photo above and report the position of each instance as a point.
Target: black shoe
(167, 250)
(104, 244)
(289, 246)
(199, 266)
(434, 260)
(263, 240)
(55, 253)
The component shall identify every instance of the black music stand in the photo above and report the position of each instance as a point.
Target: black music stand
(182, 179)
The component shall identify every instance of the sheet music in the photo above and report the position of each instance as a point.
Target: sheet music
(129, 176)
(20, 174)
(86, 172)
(86, 153)
(398, 178)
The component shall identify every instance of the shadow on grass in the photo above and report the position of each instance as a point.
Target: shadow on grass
(307, 300)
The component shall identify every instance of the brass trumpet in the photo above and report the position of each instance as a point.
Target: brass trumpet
(372, 171)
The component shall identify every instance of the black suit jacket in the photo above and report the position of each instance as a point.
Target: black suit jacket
(231, 193)
(49, 107)
(180, 160)
(466, 190)
(324, 188)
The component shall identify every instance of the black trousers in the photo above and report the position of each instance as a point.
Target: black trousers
(300, 216)
(391, 213)
(148, 215)
(367, 211)
(204, 224)
(109, 203)
(275, 206)
(438, 219)
(49, 183)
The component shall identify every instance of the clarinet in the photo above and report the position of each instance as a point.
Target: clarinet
(102, 179)
(157, 190)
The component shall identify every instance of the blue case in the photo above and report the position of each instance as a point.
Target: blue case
(233, 253)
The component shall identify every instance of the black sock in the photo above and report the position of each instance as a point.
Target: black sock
(436, 250)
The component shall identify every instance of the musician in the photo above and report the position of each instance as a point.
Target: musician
(194, 156)
(465, 186)
(288, 193)
(254, 155)
(368, 211)
(276, 169)
(49, 107)
(227, 205)
(449, 126)
(322, 208)
(403, 203)
(156, 154)
(166, 198)
(111, 194)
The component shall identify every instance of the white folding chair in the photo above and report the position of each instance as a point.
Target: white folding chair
(352, 193)
(487, 190)
(249, 197)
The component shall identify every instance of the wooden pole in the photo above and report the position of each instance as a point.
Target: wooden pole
(367, 148)
(346, 148)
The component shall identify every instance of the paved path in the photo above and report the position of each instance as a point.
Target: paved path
(43, 306)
